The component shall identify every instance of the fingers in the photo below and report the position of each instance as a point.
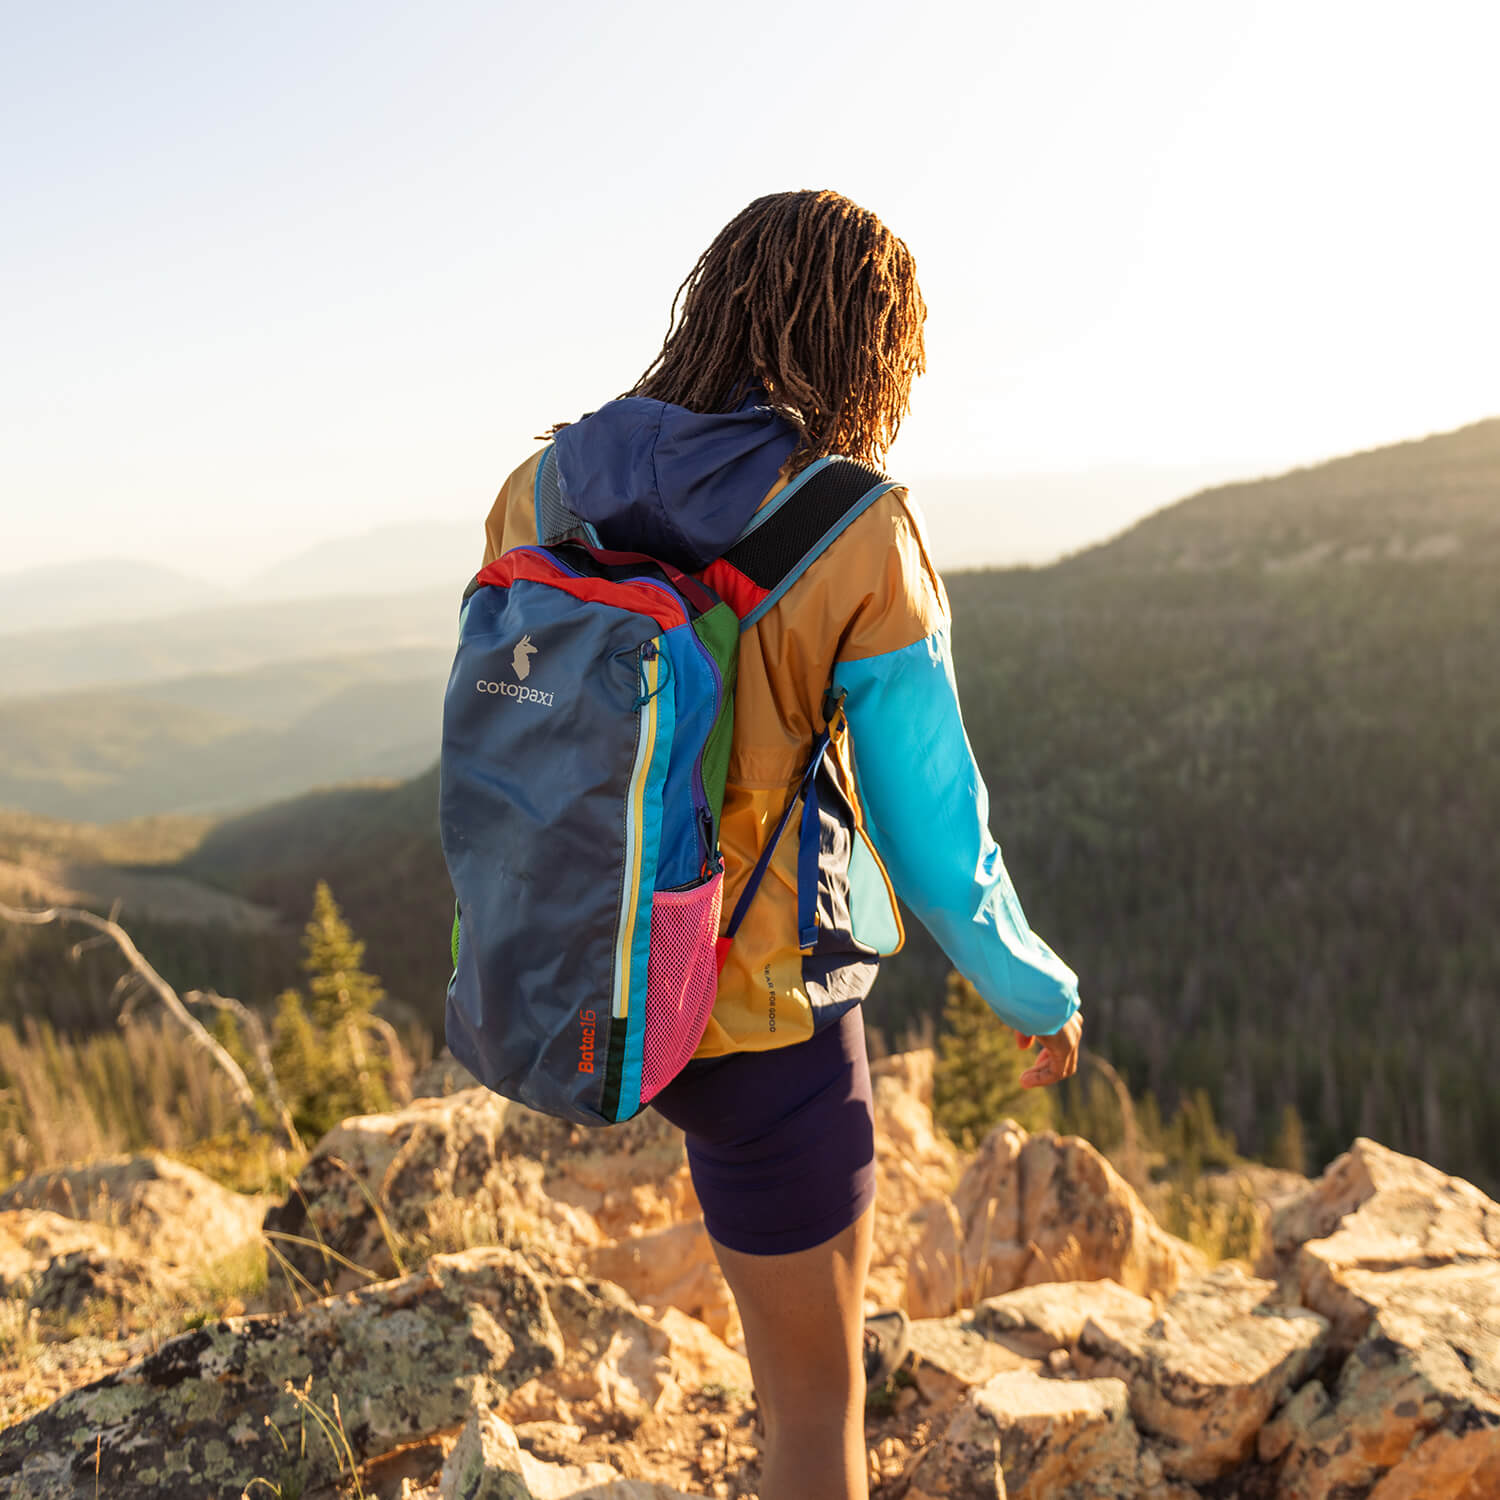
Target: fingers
(1058, 1060)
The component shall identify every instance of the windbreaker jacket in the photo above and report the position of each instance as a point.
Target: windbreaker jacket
(868, 619)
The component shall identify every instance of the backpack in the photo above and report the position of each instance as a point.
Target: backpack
(586, 736)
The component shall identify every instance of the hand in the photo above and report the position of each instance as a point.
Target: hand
(1059, 1057)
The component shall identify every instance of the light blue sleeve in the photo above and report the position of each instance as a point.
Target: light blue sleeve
(927, 811)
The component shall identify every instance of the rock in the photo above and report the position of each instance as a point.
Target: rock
(31, 1239)
(71, 1282)
(1415, 1411)
(1206, 1373)
(566, 1481)
(173, 1213)
(914, 1164)
(1032, 1438)
(671, 1267)
(1036, 1320)
(1300, 1412)
(395, 1362)
(1038, 1209)
(485, 1463)
(1375, 1214)
(613, 1356)
(473, 1167)
(699, 1358)
(630, 1489)
(444, 1075)
(949, 1355)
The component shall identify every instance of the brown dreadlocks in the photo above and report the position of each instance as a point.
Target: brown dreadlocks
(813, 299)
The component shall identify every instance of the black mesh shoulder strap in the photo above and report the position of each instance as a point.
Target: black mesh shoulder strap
(788, 534)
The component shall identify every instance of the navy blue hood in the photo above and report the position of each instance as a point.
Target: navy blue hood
(677, 484)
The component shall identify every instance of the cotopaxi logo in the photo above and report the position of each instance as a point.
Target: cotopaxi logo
(514, 690)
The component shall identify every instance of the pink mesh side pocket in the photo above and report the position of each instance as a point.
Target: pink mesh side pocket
(681, 979)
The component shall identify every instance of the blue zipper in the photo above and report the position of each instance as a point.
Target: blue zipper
(705, 813)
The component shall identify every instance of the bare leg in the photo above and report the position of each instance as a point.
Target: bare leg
(804, 1316)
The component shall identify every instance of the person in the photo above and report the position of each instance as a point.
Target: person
(795, 338)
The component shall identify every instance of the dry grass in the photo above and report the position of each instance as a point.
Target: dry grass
(66, 1101)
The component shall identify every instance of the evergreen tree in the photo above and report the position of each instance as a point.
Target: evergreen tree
(332, 1053)
(977, 1079)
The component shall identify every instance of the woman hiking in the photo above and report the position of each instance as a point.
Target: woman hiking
(794, 342)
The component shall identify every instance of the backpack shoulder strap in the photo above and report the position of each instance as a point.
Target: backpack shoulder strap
(785, 537)
(554, 521)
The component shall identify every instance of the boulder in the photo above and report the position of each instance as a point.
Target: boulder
(485, 1463)
(1030, 1438)
(444, 1075)
(1033, 1209)
(173, 1213)
(1375, 1214)
(671, 1267)
(1035, 1320)
(914, 1165)
(1415, 1411)
(31, 1239)
(948, 1355)
(613, 1357)
(468, 1168)
(199, 1418)
(72, 1283)
(1204, 1375)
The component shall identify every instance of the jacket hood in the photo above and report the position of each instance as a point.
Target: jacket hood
(677, 484)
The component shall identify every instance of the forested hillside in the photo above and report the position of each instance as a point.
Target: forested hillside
(222, 741)
(1243, 763)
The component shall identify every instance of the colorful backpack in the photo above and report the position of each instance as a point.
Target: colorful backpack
(586, 737)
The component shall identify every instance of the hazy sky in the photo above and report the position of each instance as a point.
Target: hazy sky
(279, 272)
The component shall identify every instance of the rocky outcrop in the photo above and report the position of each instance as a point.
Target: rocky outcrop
(171, 1212)
(1034, 1209)
(1415, 1411)
(472, 1167)
(1029, 1438)
(1205, 1374)
(1355, 1237)
(1076, 1352)
(200, 1418)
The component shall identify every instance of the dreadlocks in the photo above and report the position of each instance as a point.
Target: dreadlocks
(813, 299)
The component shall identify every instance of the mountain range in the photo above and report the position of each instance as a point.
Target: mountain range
(1244, 761)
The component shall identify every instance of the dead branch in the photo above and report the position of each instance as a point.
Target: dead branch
(400, 1060)
(260, 1045)
(197, 1032)
(1132, 1166)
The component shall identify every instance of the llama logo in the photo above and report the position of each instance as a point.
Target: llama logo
(520, 662)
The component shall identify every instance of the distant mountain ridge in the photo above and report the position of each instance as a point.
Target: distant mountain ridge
(222, 741)
(229, 638)
(1416, 501)
(95, 590)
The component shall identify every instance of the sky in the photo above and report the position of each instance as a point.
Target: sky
(280, 273)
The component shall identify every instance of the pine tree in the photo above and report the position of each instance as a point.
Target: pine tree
(977, 1079)
(297, 1056)
(327, 1052)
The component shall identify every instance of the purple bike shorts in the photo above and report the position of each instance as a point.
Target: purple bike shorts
(781, 1144)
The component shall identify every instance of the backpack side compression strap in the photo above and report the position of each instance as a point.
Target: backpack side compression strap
(786, 536)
